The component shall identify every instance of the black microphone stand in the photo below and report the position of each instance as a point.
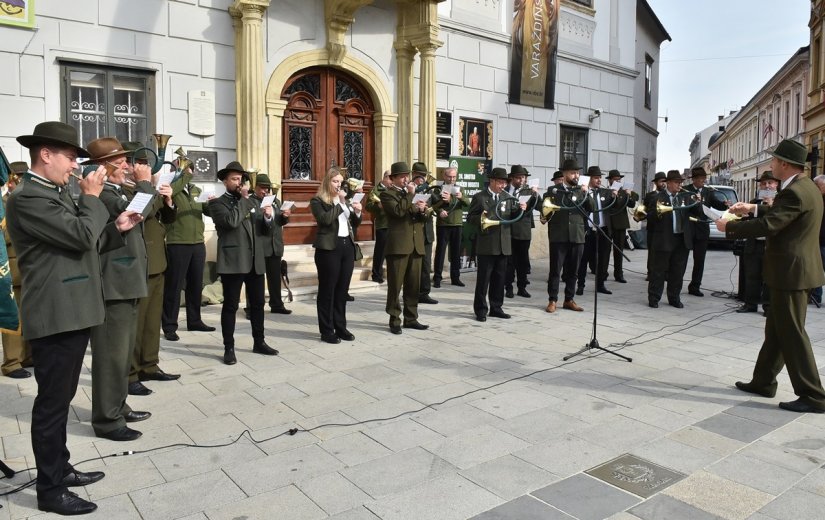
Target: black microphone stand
(593, 344)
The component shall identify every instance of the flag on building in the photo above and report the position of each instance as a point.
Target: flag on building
(730, 163)
(768, 130)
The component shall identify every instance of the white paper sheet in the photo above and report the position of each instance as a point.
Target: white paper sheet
(287, 205)
(767, 194)
(533, 183)
(267, 201)
(523, 199)
(357, 197)
(139, 202)
(616, 186)
(711, 213)
(165, 178)
(455, 189)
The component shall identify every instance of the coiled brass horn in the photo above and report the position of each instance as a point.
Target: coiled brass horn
(548, 207)
(184, 163)
(640, 213)
(487, 222)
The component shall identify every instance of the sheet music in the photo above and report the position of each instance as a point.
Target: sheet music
(420, 196)
(268, 200)
(165, 178)
(287, 205)
(139, 202)
(357, 197)
(523, 199)
(711, 213)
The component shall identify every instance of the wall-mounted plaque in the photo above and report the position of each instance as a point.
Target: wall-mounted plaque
(443, 146)
(201, 112)
(205, 163)
(443, 123)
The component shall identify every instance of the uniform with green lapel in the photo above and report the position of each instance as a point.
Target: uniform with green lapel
(125, 273)
(619, 224)
(448, 234)
(404, 250)
(273, 244)
(792, 267)
(566, 235)
(521, 233)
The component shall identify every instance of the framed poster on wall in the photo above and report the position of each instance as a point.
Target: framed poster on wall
(475, 138)
(19, 13)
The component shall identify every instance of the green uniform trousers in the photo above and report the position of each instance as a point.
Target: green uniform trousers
(147, 340)
(16, 350)
(112, 342)
(787, 344)
(403, 271)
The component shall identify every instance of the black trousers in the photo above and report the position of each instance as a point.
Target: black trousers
(564, 264)
(448, 236)
(334, 274)
(426, 270)
(650, 253)
(700, 250)
(490, 277)
(378, 253)
(185, 263)
(273, 281)
(620, 239)
(518, 264)
(668, 266)
(57, 362)
(756, 291)
(231, 296)
(589, 256)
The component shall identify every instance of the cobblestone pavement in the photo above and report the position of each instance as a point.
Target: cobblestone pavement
(465, 420)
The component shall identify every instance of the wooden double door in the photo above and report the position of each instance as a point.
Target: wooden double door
(328, 121)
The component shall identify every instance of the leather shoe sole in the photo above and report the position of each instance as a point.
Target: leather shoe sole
(124, 433)
(281, 310)
(135, 416)
(800, 406)
(20, 373)
(202, 327)
(264, 349)
(229, 357)
(416, 326)
(171, 336)
(502, 315)
(346, 335)
(621, 280)
(753, 389)
(138, 388)
(78, 478)
(66, 504)
(330, 338)
(160, 375)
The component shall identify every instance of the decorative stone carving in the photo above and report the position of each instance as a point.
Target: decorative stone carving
(577, 28)
(339, 15)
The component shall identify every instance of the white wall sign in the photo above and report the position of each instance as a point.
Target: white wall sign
(201, 112)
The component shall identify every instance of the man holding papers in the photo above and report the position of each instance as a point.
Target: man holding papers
(125, 271)
(274, 242)
(701, 231)
(619, 220)
(521, 232)
(419, 176)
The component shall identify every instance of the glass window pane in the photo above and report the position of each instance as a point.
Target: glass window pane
(87, 104)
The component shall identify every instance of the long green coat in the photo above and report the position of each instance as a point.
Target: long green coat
(495, 240)
(274, 241)
(241, 232)
(405, 223)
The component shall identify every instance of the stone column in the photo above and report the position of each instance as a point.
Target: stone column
(426, 105)
(404, 55)
(385, 141)
(275, 116)
(237, 28)
(250, 89)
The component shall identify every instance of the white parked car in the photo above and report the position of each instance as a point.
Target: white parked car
(723, 193)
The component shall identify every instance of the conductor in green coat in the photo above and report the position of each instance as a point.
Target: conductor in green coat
(792, 267)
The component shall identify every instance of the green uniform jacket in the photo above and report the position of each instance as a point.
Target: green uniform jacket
(619, 221)
(327, 217)
(154, 232)
(405, 223)
(454, 216)
(792, 260)
(495, 240)
(522, 230)
(57, 251)
(273, 242)
(379, 218)
(188, 225)
(125, 269)
(568, 224)
(241, 234)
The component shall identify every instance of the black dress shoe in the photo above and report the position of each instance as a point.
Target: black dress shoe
(523, 293)
(280, 310)
(800, 406)
(350, 298)
(621, 280)
(695, 292)
(20, 373)
(499, 314)
(330, 338)
(77, 478)
(437, 284)
(417, 326)
(508, 293)
(678, 304)
(171, 336)
(425, 298)
(395, 329)
(135, 416)
(654, 305)
(124, 433)
(753, 389)
(160, 375)
(458, 283)
(747, 308)
(200, 327)
(66, 503)
(481, 318)
(377, 279)
(345, 335)
(604, 290)
(138, 388)
(263, 348)
(579, 291)
(229, 356)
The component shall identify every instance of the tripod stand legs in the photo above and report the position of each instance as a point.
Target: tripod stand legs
(594, 344)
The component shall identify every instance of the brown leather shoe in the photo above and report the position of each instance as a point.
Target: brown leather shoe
(551, 307)
(572, 305)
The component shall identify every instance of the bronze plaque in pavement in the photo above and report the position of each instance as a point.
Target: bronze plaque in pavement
(636, 475)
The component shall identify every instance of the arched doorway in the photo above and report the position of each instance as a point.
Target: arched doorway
(328, 120)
